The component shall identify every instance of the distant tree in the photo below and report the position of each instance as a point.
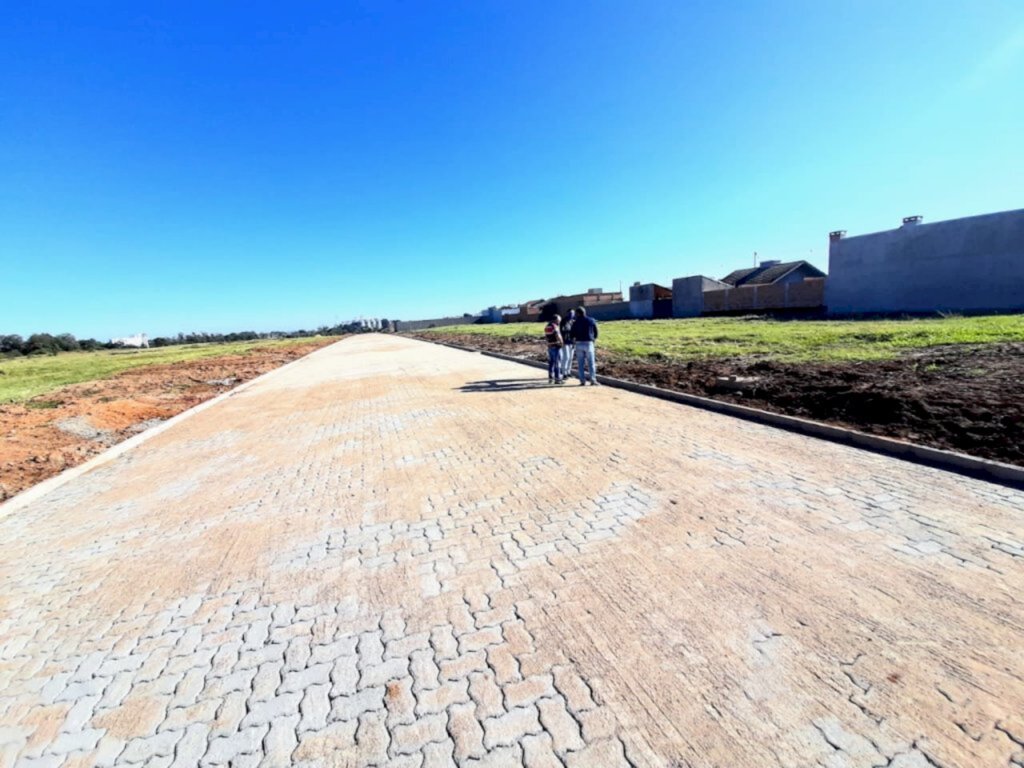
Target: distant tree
(67, 343)
(41, 344)
(11, 344)
(89, 345)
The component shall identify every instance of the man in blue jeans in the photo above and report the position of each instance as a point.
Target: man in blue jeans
(568, 351)
(584, 334)
(553, 336)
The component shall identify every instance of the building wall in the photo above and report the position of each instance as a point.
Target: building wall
(797, 275)
(803, 295)
(561, 305)
(646, 300)
(970, 264)
(614, 310)
(688, 294)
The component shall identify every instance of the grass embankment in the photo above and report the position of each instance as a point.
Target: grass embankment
(26, 377)
(790, 341)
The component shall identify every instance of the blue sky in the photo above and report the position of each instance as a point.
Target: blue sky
(186, 166)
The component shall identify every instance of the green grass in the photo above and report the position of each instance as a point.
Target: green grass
(25, 377)
(796, 340)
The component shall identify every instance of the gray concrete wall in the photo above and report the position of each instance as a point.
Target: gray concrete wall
(688, 294)
(647, 299)
(641, 308)
(970, 264)
(615, 310)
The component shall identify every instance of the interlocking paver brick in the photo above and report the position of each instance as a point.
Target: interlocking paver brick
(315, 706)
(230, 715)
(351, 707)
(264, 712)
(280, 742)
(424, 670)
(439, 754)
(464, 665)
(466, 732)
(400, 702)
(486, 694)
(372, 738)
(538, 752)
(607, 753)
(511, 726)
(144, 750)
(413, 737)
(375, 675)
(319, 674)
(247, 741)
(360, 560)
(560, 724)
(528, 691)
(441, 698)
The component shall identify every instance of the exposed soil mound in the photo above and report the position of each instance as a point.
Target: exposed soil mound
(60, 429)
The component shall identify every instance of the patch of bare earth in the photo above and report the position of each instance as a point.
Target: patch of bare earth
(63, 428)
(962, 398)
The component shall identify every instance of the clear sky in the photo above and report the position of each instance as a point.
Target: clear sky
(187, 166)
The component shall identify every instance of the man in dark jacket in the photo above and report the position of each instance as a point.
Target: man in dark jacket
(584, 334)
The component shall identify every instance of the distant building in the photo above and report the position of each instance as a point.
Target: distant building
(138, 340)
(649, 300)
(544, 309)
(771, 286)
(973, 264)
(772, 273)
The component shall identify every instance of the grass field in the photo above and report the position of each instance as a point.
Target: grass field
(25, 377)
(794, 341)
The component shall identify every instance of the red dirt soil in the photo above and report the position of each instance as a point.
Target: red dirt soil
(65, 427)
(964, 398)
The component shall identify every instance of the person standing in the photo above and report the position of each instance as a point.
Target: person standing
(553, 335)
(584, 336)
(568, 348)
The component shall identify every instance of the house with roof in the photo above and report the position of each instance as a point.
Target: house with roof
(786, 287)
(773, 273)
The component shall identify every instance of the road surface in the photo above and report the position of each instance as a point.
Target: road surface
(394, 553)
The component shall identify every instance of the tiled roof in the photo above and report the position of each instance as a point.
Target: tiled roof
(766, 274)
(737, 276)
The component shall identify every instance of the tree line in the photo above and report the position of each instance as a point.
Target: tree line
(13, 345)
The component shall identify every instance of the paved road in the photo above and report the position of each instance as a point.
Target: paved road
(392, 553)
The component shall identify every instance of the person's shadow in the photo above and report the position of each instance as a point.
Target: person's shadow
(505, 385)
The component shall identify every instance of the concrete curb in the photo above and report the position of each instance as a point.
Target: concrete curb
(37, 491)
(960, 463)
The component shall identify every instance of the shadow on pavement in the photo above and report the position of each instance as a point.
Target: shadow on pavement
(506, 385)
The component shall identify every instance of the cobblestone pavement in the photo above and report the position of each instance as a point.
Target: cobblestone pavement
(398, 554)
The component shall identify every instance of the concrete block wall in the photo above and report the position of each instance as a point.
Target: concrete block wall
(805, 294)
(647, 300)
(970, 264)
(642, 309)
(615, 310)
(688, 294)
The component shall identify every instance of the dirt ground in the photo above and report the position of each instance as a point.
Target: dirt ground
(957, 397)
(63, 428)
